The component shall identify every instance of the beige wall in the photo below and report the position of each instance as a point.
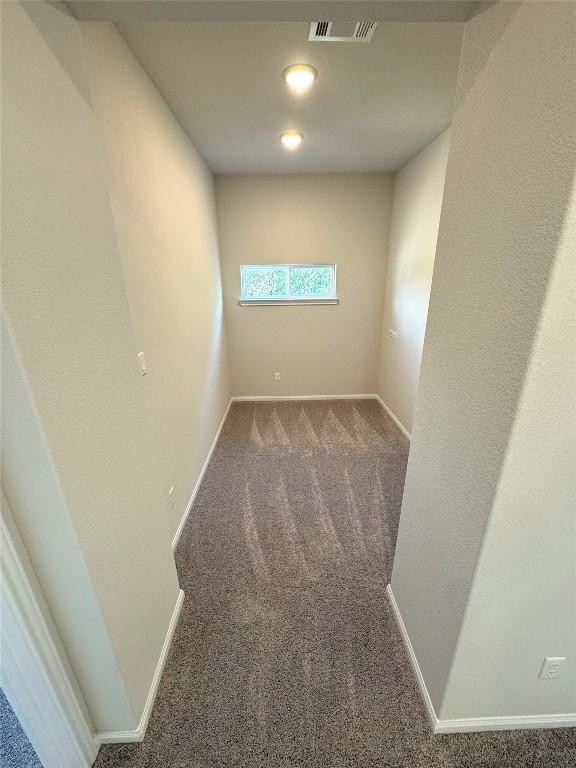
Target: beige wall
(486, 544)
(282, 219)
(163, 205)
(79, 469)
(530, 542)
(418, 191)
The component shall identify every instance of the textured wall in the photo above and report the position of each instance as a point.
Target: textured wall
(283, 219)
(163, 205)
(418, 192)
(89, 508)
(510, 174)
(523, 601)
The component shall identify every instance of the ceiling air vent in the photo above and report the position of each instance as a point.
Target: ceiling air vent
(342, 31)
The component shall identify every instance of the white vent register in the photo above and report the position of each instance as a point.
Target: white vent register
(342, 31)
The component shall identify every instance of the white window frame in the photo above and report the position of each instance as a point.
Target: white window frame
(273, 301)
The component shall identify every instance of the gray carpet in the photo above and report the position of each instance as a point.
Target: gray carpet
(287, 654)
(15, 749)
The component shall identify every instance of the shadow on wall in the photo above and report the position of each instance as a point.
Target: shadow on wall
(48, 24)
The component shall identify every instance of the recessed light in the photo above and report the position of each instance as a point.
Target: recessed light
(300, 77)
(291, 139)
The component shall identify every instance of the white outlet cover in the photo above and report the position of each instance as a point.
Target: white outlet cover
(142, 361)
(552, 667)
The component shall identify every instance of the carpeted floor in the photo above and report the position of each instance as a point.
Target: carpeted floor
(287, 654)
(15, 749)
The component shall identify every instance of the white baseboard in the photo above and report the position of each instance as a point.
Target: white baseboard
(472, 724)
(413, 660)
(519, 723)
(200, 477)
(393, 416)
(280, 398)
(116, 737)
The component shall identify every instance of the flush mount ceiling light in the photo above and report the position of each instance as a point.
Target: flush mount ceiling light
(291, 139)
(300, 77)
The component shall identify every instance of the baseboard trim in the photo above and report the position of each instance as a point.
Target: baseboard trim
(522, 722)
(394, 418)
(200, 478)
(471, 724)
(117, 737)
(413, 660)
(279, 398)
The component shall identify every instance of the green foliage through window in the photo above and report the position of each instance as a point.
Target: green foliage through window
(278, 282)
(269, 282)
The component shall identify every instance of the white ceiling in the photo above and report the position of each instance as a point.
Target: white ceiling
(276, 10)
(373, 107)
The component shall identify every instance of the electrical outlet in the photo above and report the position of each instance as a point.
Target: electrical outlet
(552, 667)
(171, 497)
(142, 362)
(393, 334)
(277, 376)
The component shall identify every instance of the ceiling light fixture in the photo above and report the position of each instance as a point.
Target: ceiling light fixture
(300, 77)
(291, 139)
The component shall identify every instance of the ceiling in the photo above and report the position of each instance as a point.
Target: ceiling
(276, 10)
(373, 107)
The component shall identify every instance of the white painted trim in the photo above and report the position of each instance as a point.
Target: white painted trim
(115, 737)
(413, 660)
(280, 398)
(287, 302)
(36, 678)
(394, 418)
(521, 722)
(471, 724)
(199, 480)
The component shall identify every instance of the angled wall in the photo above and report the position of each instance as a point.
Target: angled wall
(474, 570)
(418, 192)
(162, 199)
(79, 469)
(522, 605)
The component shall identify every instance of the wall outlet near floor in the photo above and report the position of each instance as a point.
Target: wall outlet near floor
(171, 497)
(552, 667)
(142, 363)
(277, 376)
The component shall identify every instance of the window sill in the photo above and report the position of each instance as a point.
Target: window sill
(285, 302)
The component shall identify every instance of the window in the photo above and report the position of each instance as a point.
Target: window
(288, 284)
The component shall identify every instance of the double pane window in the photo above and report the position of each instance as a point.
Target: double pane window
(288, 282)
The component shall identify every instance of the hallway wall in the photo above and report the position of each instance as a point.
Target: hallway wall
(162, 198)
(530, 542)
(341, 218)
(484, 567)
(418, 192)
(78, 468)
